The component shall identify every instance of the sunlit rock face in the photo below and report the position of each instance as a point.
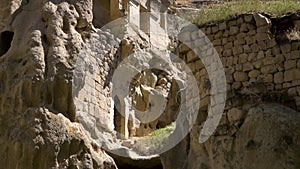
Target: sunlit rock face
(39, 42)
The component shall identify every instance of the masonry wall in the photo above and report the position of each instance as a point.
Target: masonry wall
(261, 61)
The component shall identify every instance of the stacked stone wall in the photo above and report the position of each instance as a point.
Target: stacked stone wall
(261, 63)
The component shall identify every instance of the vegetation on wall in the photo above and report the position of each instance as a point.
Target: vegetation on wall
(229, 8)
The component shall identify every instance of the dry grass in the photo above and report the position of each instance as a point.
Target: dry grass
(229, 8)
(153, 143)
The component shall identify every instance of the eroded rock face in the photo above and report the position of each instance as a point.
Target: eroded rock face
(37, 112)
(267, 139)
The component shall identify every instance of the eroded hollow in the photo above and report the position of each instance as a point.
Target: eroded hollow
(6, 38)
(128, 163)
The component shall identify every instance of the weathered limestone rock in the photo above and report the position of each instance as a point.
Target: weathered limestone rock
(7, 8)
(269, 132)
(37, 111)
(268, 128)
(234, 114)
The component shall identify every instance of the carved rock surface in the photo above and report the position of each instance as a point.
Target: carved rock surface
(37, 130)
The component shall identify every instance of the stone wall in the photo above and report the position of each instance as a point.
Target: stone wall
(261, 59)
(255, 61)
(258, 66)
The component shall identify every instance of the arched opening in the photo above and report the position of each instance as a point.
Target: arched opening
(6, 38)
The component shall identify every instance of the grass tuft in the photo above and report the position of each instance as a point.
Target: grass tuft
(155, 141)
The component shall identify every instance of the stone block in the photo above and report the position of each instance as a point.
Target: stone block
(240, 76)
(228, 45)
(240, 21)
(239, 67)
(214, 29)
(248, 18)
(229, 61)
(262, 36)
(231, 23)
(252, 57)
(247, 49)
(268, 78)
(217, 42)
(251, 29)
(249, 40)
(243, 58)
(223, 26)
(292, 91)
(241, 35)
(251, 33)
(263, 29)
(226, 33)
(276, 50)
(207, 30)
(239, 42)
(295, 54)
(227, 52)
(229, 78)
(269, 61)
(268, 69)
(260, 55)
(236, 85)
(261, 20)
(286, 85)
(254, 73)
(292, 74)
(278, 77)
(233, 30)
(237, 50)
(296, 83)
(244, 28)
(257, 64)
(279, 58)
(262, 45)
(254, 48)
(218, 35)
(231, 38)
(290, 64)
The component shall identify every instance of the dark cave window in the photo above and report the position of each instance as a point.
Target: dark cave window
(6, 38)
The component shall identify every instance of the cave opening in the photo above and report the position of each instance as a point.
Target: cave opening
(126, 162)
(6, 38)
